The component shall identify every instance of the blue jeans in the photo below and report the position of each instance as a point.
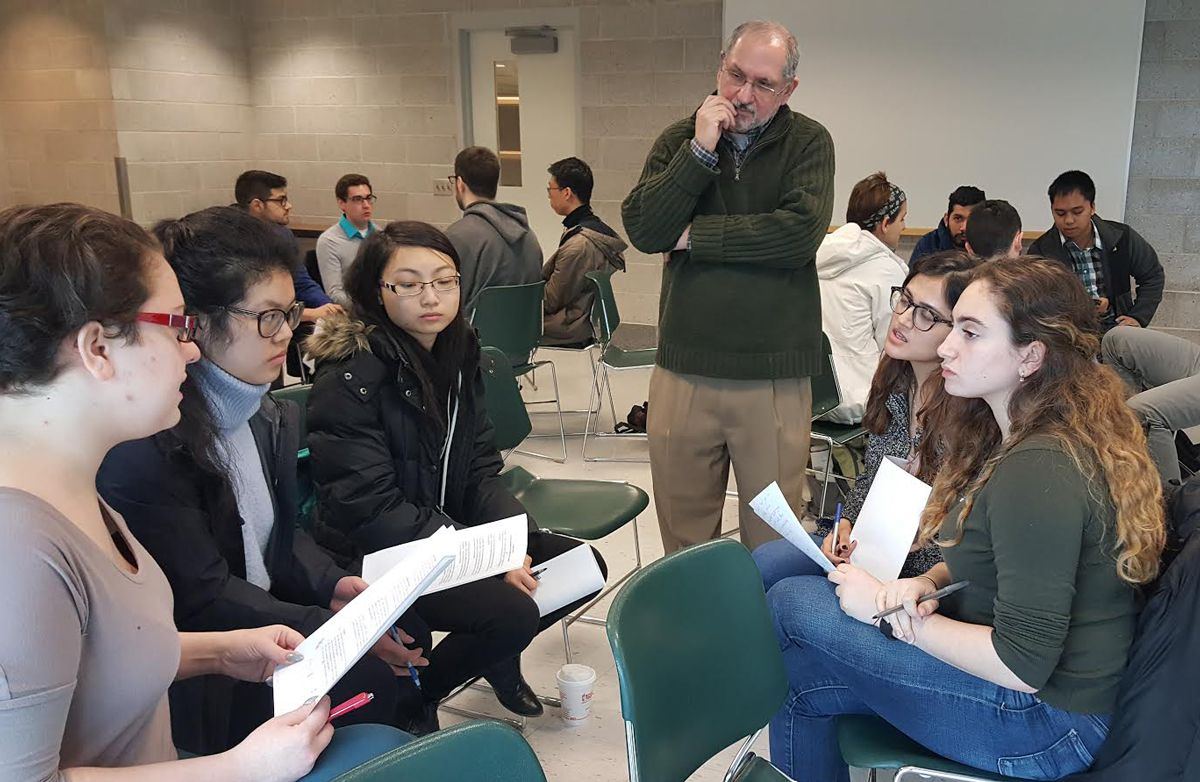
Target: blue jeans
(352, 746)
(779, 559)
(838, 665)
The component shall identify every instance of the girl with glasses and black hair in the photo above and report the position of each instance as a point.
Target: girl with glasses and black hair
(905, 411)
(95, 343)
(214, 499)
(402, 445)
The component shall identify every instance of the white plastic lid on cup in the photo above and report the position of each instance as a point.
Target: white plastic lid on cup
(575, 687)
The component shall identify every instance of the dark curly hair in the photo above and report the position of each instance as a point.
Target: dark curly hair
(63, 266)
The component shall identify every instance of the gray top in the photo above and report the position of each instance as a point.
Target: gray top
(337, 248)
(495, 247)
(87, 650)
(232, 404)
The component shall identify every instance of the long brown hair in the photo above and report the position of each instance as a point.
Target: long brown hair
(1078, 402)
(895, 376)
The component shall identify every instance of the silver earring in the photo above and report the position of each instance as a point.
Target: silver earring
(1021, 375)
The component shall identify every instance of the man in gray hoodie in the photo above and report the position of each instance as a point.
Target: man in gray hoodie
(494, 242)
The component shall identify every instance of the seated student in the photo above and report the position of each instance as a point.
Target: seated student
(1048, 504)
(1163, 372)
(94, 344)
(952, 229)
(994, 231)
(905, 411)
(587, 244)
(402, 445)
(857, 268)
(338, 245)
(1103, 254)
(214, 498)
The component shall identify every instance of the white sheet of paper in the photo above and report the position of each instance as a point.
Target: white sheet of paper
(566, 578)
(887, 524)
(482, 551)
(339, 643)
(773, 507)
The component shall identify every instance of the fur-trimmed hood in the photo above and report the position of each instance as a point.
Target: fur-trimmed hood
(337, 338)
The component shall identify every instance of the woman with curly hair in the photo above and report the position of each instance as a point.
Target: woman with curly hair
(1048, 503)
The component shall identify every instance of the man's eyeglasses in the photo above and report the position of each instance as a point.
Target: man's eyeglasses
(453, 179)
(186, 326)
(738, 79)
(407, 289)
(367, 199)
(281, 200)
(924, 318)
(271, 321)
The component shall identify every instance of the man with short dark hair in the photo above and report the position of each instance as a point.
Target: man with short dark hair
(952, 229)
(495, 244)
(994, 230)
(737, 196)
(587, 244)
(338, 245)
(1104, 254)
(264, 195)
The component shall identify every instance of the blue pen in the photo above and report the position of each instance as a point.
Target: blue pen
(411, 670)
(837, 525)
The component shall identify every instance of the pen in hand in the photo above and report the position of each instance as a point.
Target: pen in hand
(412, 671)
(938, 595)
(357, 702)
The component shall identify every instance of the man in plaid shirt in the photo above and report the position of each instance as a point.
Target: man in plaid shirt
(1104, 254)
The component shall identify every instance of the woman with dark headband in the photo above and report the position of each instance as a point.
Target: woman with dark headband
(94, 344)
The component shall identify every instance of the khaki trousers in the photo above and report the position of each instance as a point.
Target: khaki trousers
(699, 425)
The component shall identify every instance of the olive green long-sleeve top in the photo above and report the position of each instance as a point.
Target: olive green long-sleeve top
(742, 303)
(1038, 548)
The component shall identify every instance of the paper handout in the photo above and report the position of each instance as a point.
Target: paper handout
(773, 507)
(482, 551)
(339, 643)
(566, 578)
(887, 524)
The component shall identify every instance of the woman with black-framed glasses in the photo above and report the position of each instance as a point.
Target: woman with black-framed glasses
(905, 406)
(215, 500)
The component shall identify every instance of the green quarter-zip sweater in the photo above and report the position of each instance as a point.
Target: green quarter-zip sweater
(743, 302)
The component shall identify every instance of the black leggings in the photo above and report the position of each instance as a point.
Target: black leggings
(489, 621)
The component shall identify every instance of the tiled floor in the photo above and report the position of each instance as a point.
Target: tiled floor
(595, 751)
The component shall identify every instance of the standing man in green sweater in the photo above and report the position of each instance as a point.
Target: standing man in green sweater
(737, 197)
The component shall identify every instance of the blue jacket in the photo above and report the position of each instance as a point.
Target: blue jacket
(935, 241)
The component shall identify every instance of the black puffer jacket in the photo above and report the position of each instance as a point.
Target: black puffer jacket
(377, 468)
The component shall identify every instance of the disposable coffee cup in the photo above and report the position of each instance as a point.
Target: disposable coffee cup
(575, 687)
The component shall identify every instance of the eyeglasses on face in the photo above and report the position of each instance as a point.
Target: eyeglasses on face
(739, 80)
(359, 199)
(271, 321)
(281, 200)
(186, 326)
(924, 317)
(406, 289)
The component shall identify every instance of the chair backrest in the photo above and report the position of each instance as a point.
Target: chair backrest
(509, 317)
(825, 392)
(605, 317)
(477, 751)
(312, 267)
(684, 697)
(298, 394)
(503, 400)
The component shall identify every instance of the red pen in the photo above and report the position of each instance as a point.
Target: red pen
(357, 702)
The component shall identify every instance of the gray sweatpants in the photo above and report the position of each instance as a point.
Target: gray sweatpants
(1164, 374)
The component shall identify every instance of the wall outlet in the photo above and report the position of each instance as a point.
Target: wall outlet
(442, 186)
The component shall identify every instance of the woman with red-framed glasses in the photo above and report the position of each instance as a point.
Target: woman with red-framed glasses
(94, 346)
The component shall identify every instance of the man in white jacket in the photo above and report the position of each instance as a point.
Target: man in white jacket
(857, 267)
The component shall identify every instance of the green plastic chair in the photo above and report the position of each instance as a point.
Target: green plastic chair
(871, 743)
(613, 357)
(509, 317)
(680, 706)
(583, 509)
(306, 490)
(481, 751)
(826, 396)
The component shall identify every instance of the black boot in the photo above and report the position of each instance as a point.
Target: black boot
(414, 714)
(513, 692)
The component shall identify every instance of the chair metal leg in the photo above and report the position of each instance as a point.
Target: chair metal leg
(581, 614)
(562, 432)
(593, 393)
(518, 722)
(915, 774)
(606, 385)
(566, 641)
(631, 751)
(740, 757)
